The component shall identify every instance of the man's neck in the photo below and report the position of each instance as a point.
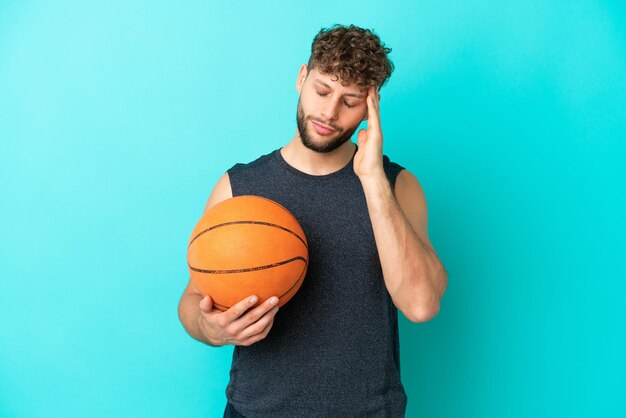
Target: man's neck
(317, 163)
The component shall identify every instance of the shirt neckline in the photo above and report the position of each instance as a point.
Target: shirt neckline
(281, 160)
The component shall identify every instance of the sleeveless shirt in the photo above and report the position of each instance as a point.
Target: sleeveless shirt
(333, 350)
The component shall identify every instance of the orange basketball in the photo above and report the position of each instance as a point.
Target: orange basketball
(247, 245)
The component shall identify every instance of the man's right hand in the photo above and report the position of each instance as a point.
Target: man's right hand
(239, 325)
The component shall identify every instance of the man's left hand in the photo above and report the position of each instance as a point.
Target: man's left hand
(368, 161)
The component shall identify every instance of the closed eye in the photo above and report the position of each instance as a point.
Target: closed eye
(345, 103)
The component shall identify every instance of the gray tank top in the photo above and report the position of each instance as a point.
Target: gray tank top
(333, 350)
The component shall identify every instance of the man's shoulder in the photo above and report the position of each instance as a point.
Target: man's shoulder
(392, 169)
(256, 163)
(387, 162)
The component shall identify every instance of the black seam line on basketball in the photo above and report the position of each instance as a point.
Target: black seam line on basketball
(280, 296)
(268, 266)
(251, 223)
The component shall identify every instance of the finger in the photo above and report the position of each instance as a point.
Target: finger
(373, 119)
(206, 304)
(260, 326)
(258, 337)
(362, 137)
(375, 97)
(254, 314)
(240, 308)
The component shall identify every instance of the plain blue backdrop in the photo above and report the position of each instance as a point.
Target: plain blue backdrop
(118, 117)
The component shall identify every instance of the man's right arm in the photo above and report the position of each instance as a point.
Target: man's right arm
(239, 325)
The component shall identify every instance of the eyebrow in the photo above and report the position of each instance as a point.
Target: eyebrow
(358, 96)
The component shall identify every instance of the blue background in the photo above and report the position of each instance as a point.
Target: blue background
(118, 117)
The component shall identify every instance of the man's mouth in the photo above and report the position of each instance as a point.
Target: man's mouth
(322, 129)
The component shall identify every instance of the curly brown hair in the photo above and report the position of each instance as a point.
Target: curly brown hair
(351, 54)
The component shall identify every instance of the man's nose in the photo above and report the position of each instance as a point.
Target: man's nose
(330, 110)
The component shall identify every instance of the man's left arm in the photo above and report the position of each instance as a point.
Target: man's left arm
(413, 274)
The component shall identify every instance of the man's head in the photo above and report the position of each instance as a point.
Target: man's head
(344, 63)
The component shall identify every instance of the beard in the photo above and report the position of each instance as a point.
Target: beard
(324, 147)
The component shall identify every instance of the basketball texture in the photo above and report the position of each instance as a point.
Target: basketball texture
(247, 245)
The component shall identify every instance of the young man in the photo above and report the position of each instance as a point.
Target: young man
(333, 350)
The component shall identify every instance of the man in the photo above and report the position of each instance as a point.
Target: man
(333, 350)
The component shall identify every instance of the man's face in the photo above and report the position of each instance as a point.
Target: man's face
(328, 113)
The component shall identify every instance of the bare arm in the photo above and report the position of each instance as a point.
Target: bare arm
(413, 273)
(238, 325)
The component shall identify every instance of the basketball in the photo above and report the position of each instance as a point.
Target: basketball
(247, 245)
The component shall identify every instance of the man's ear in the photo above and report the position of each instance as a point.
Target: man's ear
(301, 77)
